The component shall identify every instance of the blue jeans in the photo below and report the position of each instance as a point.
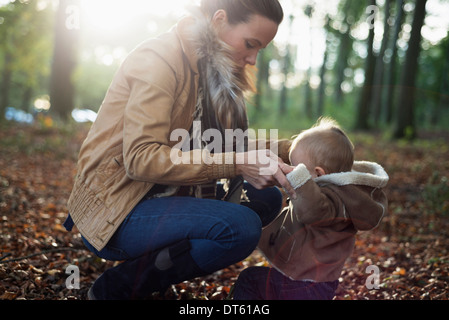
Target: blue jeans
(262, 283)
(220, 233)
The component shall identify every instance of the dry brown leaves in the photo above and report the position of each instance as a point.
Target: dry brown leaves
(37, 166)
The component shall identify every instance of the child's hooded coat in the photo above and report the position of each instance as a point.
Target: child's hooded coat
(314, 235)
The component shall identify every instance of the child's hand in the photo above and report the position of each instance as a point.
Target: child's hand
(299, 176)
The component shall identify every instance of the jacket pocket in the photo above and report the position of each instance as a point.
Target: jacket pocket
(110, 167)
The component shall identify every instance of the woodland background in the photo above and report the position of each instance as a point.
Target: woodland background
(380, 68)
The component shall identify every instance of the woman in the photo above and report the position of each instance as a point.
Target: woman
(132, 203)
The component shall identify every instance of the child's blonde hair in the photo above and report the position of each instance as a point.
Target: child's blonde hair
(327, 146)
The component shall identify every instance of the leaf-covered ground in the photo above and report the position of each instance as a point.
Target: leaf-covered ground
(38, 163)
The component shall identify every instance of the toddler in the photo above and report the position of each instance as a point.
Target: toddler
(309, 241)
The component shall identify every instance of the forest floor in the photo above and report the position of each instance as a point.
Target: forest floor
(38, 163)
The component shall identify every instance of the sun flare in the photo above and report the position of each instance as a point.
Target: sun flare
(110, 15)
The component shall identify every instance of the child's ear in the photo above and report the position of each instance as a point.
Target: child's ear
(319, 171)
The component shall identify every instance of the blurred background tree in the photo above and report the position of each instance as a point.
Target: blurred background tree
(371, 64)
(65, 57)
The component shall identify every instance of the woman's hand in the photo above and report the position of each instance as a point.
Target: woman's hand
(263, 169)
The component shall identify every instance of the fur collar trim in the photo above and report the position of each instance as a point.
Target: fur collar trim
(363, 173)
(226, 82)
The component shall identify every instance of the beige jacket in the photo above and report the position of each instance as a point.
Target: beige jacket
(312, 237)
(127, 150)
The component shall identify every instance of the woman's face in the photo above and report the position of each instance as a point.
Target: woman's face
(247, 39)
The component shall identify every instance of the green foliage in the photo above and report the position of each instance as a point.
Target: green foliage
(25, 52)
(436, 194)
(90, 94)
(295, 120)
(433, 98)
(268, 116)
(27, 39)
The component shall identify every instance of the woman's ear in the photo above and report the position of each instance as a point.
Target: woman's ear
(319, 171)
(219, 18)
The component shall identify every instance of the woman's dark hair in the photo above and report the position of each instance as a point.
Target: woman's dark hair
(240, 11)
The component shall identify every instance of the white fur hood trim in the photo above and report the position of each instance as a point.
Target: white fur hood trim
(363, 173)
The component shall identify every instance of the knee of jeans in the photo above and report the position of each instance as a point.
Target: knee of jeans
(247, 230)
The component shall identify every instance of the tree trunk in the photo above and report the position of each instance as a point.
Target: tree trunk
(380, 68)
(283, 98)
(286, 69)
(444, 87)
(363, 109)
(62, 90)
(344, 52)
(262, 80)
(342, 63)
(308, 89)
(405, 122)
(26, 98)
(322, 88)
(308, 99)
(390, 68)
(5, 84)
